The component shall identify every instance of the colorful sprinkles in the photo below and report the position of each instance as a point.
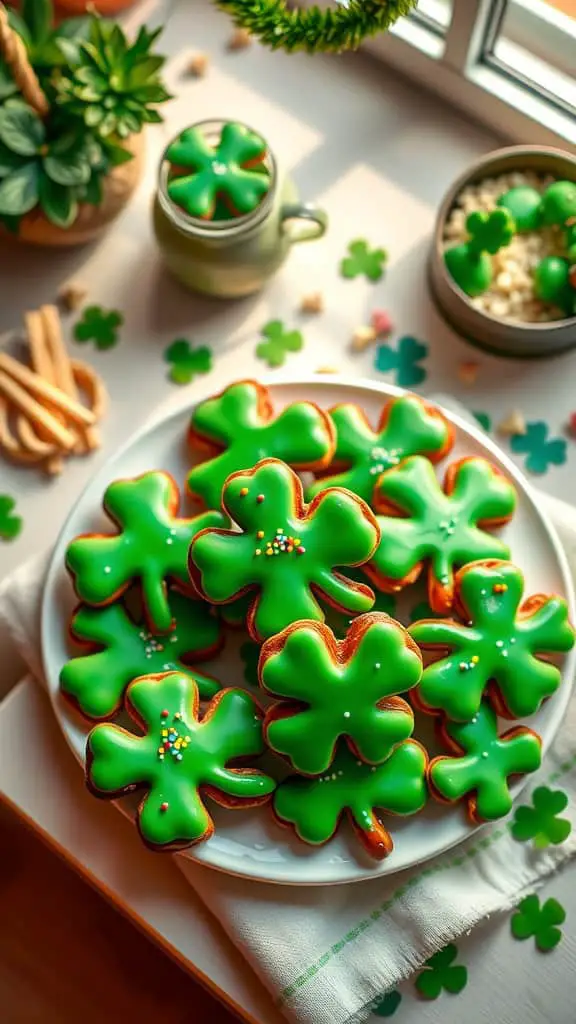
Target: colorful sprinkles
(283, 543)
(172, 742)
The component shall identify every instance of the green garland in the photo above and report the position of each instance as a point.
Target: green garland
(315, 30)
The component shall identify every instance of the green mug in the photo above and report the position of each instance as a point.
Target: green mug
(233, 257)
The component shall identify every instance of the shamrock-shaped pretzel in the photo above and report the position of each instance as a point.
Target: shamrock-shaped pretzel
(496, 649)
(238, 428)
(483, 764)
(118, 650)
(336, 689)
(445, 528)
(315, 806)
(151, 546)
(407, 426)
(286, 552)
(179, 758)
(233, 171)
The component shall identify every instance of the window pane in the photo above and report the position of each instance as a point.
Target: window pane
(436, 14)
(537, 42)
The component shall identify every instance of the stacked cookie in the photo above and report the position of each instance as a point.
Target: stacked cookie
(300, 567)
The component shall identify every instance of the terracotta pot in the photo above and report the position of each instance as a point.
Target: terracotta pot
(106, 7)
(91, 221)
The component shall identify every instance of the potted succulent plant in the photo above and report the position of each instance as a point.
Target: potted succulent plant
(74, 99)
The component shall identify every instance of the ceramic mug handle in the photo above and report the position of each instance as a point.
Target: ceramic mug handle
(314, 222)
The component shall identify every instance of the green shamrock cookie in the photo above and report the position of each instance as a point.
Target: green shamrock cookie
(285, 551)
(363, 260)
(496, 649)
(278, 343)
(339, 621)
(240, 428)
(541, 822)
(179, 757)
(340, 689)
(99, 326)
(532, 921)
(151, 546)
(441, 973)
(119, 650)
(407, 426)
(232, 171)
(443, 527)
(483, 764)
(314, 806)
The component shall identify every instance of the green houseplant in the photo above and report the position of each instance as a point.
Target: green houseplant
(74, 100)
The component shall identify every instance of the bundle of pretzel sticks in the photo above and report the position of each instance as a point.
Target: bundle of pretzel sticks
(42, 417)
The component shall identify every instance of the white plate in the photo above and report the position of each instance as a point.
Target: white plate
(251, 843)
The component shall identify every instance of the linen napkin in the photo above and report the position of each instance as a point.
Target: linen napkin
(326, 954)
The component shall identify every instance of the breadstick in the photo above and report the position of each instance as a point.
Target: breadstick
(60, 362)
(13, 448)
(43, 365)
(12, 390)
(96, 395)
(54, 396)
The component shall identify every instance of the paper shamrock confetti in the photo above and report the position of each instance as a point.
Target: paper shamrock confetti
(497, 649)
(99, 326)
(407, 426)
(541, 822)
(482, 764)
(151, 546)
(267, 505)
(363, 260)
(118, 650)
(187, 362)
(441, 973)
(233, 171)
(314, 806)
(404, 360)
(540, 450)
(484, 420)
(387, 1005)
(438, 526)
(10, 523)
(332, 690)
(531, 920)
(278, 343)
(179, 757)
(240, 427)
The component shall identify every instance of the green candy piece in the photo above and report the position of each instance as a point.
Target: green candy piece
(497, 649)
(151, 546)
(444, 527)
(120, 650)
(225, 171)
(314, 806)
(531, 920)
(240, 424)
(332, 691)
(524, 203)
(469, 264)
(305, 545)
(552, 282)
(179, 758)
(487, 761)
(559, 203)
(407, 426)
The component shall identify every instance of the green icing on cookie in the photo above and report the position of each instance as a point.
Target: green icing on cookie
(497, 647)
(241, 423)
(486, 763)
(336, 690)
(179, 756)
(121, 650)
(406, 427)
(314, 806)
(285, 551)
(444, 527)
(151, 546)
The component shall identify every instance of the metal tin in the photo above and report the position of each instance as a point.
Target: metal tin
(539, 339)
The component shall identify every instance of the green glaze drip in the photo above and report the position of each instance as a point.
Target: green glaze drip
(333, 692)
(314, 806)
(440, 528)
(178, 755)
(240, 422)
(498, 646)
(487, 762)
(151, 546)
(121, 650)
(266, 504)
(406, 427)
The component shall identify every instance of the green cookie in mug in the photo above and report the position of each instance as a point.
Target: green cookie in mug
(225, 216)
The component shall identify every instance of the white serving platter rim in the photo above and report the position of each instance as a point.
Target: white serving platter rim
(251, 844)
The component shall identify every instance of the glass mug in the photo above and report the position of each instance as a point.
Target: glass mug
(235, 257)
